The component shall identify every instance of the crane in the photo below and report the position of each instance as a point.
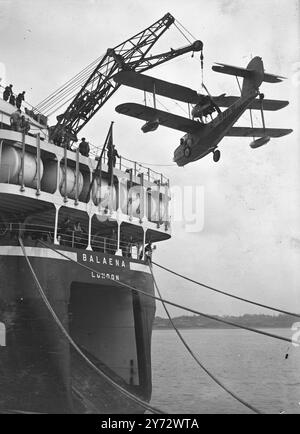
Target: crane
(133, 54)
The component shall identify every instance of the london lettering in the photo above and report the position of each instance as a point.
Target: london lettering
(105, 276)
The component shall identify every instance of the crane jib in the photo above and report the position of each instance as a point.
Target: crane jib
(99, 86)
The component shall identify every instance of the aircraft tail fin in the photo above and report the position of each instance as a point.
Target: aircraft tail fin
(253, 75)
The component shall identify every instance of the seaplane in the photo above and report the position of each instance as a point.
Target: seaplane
(203, 136)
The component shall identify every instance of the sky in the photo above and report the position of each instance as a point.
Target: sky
(248, 242)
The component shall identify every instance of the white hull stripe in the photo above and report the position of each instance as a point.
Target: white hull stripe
(135, 266)
(38, 252)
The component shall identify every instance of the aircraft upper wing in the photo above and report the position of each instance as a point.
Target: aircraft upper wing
(257, 132)
(268, 104)
(161, 87)
(166, 119)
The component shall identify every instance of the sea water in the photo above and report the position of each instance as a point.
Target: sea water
(263, 371)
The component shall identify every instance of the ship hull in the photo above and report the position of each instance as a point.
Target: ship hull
(40, 371)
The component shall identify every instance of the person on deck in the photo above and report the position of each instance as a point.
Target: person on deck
(12, 99)
(7, 92)
(66, 232)
(84, 147)
(78, 232)
(148, 252)
(20, 98)
(15, 120)
(112, 243)
(112, 155)
(24, 124)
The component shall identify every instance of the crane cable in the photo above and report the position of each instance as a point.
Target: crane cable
(66, 92)
(227, 293)
(185, 29)
(215, 379)
(123, 391)
(78, 77)
(189, 41)
(171, 303)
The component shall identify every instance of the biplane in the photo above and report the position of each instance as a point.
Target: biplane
(202, 137)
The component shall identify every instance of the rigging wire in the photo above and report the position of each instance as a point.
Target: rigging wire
(57, 96)
(213, 377)
(125, 392)
(185, 29)
(66, 92)
(188, 309)
(189, 41)
(76, 77)
(227, 293)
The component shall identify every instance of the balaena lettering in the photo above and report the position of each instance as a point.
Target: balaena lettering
(113, 262)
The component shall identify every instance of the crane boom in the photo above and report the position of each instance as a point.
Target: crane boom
(100, 86)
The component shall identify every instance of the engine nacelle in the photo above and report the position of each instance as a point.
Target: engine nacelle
(150, 126)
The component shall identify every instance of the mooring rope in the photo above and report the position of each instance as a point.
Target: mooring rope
(296, 315)
(213, 377)
(123, 391)
(205, 315)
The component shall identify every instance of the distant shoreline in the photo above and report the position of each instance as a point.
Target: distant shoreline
(253, 321)
(218, 328)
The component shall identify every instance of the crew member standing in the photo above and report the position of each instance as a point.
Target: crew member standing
(148, 252)
(84, 148)
(12, 99)
(15, 120)
(7, 92)
(20, 98)
(25, 124)
(112, 155)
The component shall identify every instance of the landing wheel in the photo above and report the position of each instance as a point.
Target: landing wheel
(216, 155)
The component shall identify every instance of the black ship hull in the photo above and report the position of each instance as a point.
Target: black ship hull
(40, 372)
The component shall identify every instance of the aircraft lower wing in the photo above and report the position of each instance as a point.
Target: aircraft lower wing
(257, 132)
(166, 119)
(268, 104)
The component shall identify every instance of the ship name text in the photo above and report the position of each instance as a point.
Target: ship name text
(104, 260)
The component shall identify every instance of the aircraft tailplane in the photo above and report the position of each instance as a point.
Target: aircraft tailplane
(253, 75)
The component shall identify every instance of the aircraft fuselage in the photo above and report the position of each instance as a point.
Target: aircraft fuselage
(197, 145)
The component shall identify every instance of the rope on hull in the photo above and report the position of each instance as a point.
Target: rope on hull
(199, 363)
(188, 309)
(296, 315)
(125, 392)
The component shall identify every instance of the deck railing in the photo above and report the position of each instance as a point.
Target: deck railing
(69, 238)
(29, 109)
(125, 164)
